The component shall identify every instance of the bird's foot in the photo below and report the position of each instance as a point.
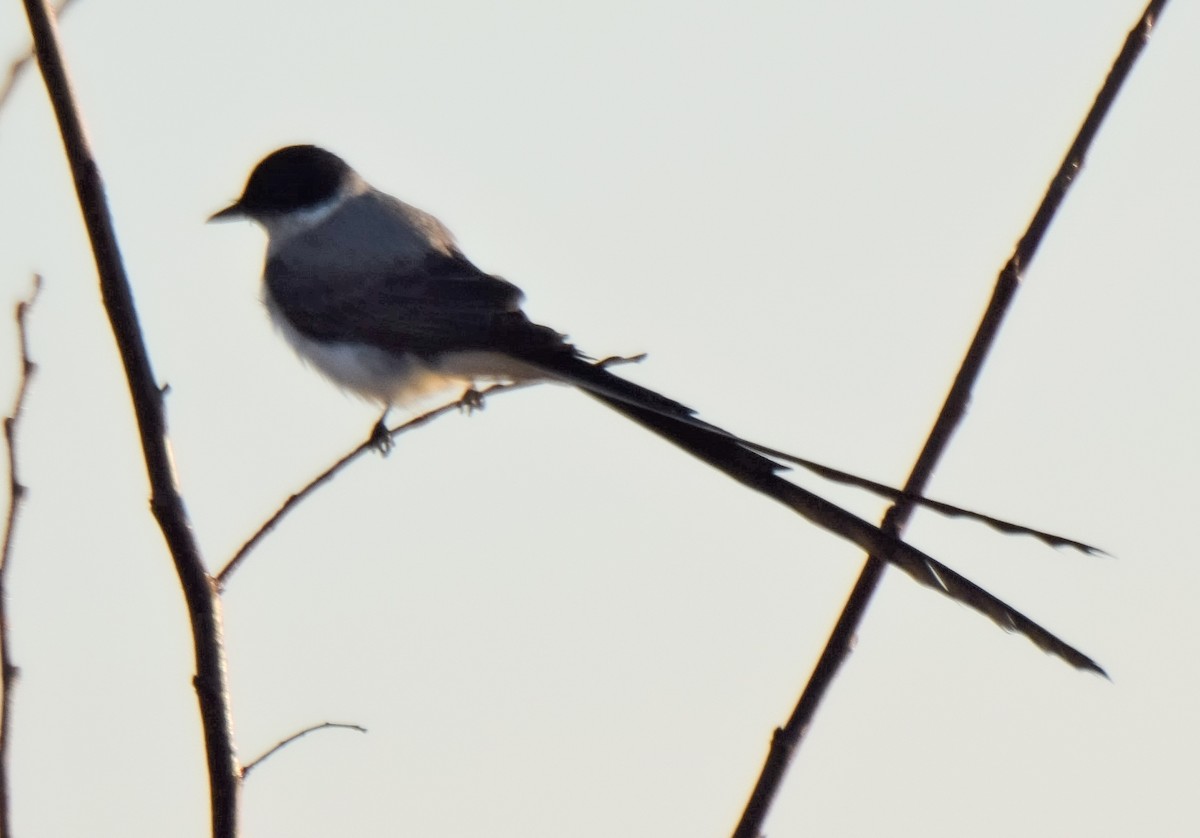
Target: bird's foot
(380, 438)
(471, 401)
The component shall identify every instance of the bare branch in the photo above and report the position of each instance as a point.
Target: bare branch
(370, 444)
(199, 590)
(248, 767)
(374, 442)
(786, 740)
(16, 494)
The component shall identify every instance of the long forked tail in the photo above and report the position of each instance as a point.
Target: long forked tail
(750, 468)
(594, 379)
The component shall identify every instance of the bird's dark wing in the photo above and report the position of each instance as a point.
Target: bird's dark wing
(441, 304)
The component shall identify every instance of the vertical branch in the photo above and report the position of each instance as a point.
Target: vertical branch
(166, 503)
(16, 494)
(787, 739)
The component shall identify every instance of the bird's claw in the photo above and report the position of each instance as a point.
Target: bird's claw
(471, 401)
(381, 439)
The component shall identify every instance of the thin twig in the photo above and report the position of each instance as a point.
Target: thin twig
(199, 590)
(252, 764)
(16, 494)
(787, 739)
(371, 444)
(19, 65)
(836, 475)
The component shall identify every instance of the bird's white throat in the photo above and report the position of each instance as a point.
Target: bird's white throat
(283, 227)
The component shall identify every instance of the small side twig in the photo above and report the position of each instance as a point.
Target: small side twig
(371, 444)
(19, 65)
(16, 494)
(617, 360)
(283, 743)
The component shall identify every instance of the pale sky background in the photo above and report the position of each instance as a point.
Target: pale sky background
(551, 623)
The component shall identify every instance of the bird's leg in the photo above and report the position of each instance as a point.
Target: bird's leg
(471, 401)
(380, 439)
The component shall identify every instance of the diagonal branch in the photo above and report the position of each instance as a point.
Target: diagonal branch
(832, 474)
(199, 590)
(372, 443)
(787, 739)
(16, 494)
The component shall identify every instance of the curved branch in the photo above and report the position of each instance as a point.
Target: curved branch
(283, 743)
(372, 443)
(470, 402)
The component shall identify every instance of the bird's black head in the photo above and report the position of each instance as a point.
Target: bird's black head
(292, 178)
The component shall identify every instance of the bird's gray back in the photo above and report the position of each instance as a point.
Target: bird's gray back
(370, 230)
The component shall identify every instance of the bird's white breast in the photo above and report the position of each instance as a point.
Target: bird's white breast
(386, 378)
(394, 379)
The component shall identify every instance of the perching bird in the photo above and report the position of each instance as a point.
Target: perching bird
(376, 295)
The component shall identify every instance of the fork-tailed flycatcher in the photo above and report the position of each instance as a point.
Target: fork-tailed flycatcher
(376, 295)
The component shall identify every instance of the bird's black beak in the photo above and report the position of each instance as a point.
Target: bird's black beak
(231, 212)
